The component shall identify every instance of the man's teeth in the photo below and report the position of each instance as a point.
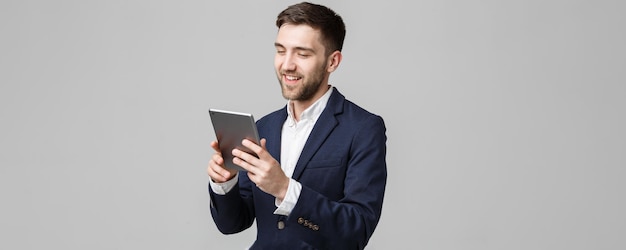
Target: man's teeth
(292, 78)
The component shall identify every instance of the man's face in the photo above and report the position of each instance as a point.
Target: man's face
(300, 62)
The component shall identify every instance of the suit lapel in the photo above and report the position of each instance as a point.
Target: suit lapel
(323, 127)
(275, 134)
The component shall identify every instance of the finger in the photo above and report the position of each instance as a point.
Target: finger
(244, 164)
(216, 177)
(215, 145)
(252, 146)
(219, 174)
(245, 156)
(218, 159)
(263, 143)
(217, 171)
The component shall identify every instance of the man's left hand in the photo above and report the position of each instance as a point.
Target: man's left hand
(264, 171)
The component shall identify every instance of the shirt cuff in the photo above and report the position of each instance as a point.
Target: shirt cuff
(291, 198)
(224, 187)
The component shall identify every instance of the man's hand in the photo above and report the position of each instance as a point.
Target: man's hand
(216, 169)
(264, 171)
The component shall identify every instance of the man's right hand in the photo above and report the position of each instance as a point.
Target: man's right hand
(216, 169)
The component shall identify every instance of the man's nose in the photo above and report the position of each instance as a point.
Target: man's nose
(288, 63)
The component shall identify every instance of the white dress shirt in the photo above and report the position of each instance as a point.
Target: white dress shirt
(294, 136)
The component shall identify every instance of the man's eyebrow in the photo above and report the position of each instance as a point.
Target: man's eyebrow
(305, 49)
(278, 45)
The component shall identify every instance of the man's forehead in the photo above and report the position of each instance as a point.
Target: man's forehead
(298, 35)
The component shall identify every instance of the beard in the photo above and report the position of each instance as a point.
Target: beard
(307, 89)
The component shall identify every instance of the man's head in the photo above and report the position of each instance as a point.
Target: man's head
(308, 48)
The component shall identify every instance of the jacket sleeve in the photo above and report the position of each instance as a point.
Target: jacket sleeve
(234, 211)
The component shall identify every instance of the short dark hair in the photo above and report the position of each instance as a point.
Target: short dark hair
(318, 17)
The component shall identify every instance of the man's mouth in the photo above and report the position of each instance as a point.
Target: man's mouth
(291, 78)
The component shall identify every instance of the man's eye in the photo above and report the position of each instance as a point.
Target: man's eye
(304, 55)
(280, 52)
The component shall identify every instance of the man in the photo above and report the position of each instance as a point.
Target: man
(319, 179)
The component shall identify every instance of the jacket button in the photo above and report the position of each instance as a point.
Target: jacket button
(281, 225)
(300, 220)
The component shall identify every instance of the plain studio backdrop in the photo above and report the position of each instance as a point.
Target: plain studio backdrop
(505, 119)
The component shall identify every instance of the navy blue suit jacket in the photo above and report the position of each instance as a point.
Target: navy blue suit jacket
(343, 173)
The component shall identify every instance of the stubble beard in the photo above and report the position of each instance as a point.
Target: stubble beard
(304, 91)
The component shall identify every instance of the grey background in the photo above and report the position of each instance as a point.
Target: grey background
(505, 118)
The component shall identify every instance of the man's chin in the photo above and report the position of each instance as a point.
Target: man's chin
(289, 95)
(290, 88)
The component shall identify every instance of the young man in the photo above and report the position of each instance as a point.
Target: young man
(319, 179)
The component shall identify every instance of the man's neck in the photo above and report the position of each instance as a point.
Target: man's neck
(297, 107)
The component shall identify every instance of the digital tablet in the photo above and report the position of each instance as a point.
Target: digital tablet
(230, 129)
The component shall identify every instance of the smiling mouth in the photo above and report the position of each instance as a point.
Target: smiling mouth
(292, 78)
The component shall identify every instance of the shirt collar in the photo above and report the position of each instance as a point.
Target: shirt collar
(311, 113)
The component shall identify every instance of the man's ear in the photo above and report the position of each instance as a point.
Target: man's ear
(333, 61)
